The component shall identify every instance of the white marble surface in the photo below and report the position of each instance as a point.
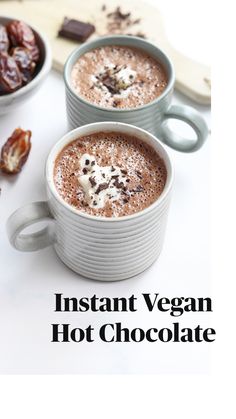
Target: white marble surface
(28, 281)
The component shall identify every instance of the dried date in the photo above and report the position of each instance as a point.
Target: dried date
(4, 41)
(15, 151)
(24, 60)
(21, 35)
(35, 53)
(10, 75)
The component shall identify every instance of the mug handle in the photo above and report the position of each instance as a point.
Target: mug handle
(26, 216)
(193, 118)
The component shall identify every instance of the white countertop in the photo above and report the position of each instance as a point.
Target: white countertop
(28, 281)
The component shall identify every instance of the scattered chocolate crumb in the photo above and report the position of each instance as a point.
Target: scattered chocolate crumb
(138, 173)
(101, 187)
(139, 188)
(140, 35)
(118, 184)
(92, 181)
(93, 163)
(87, 162)
(104, 7)
(125, 200)
(124, 171)
(112, 169)
(118, 21)
(94, 203)
(84, 203)
(85, 171)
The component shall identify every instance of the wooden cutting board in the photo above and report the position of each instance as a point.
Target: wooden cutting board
(192, 78)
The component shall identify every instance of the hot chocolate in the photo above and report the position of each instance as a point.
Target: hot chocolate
(109, 174)
(118, 77)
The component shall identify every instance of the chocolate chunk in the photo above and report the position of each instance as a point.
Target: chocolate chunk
(117, 14)
(118, 184)
(111, 84)
(140, 35)
(101, 187)
(139, 188)
(95, 203)
(92, 181)
(124, 171)
(85, 171)
(125, 200)
(115, 176)
(76, 30)
(87, 162)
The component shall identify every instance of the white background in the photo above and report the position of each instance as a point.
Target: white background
(180, 395)
(29, 280)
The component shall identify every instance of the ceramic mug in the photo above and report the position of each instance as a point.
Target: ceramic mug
(153, 116)
(101, 248)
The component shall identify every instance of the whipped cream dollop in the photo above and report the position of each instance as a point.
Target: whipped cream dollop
(115, 79)
(101, 183)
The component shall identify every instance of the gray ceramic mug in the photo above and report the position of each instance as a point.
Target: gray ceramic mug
(152, 117)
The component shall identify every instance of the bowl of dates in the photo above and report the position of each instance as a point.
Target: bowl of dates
(25, 60)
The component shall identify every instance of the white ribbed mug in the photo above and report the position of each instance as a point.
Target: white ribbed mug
(101, 248)
(153, 116)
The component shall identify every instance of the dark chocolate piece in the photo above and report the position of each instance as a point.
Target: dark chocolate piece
(76, 30)
(101, 187)
(118, 184)
(92, 181)
(139, 188)
(139, 174)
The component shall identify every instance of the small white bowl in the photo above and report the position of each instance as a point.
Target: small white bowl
(10, 101)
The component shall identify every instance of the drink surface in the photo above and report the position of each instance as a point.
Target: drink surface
(109, 174)
(118, 77)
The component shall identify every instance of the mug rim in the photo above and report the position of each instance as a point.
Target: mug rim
(93, 45)
(98, 127)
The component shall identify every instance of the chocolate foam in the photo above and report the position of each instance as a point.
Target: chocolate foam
(141, 174)
(118, 77)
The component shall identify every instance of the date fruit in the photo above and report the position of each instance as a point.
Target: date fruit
(10, 75)
(24, 60)
(21, 35)
(15, 151)
(4, 41)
